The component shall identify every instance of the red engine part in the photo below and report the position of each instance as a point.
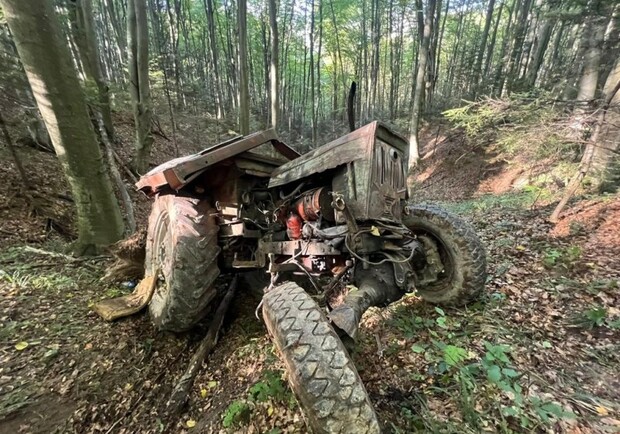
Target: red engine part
(293, 226)
(313, 204)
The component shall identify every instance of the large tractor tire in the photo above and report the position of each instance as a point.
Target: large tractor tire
(452, 247)
(182, 249)
(320, 372)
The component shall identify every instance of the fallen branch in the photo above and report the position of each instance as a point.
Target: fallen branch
(185, 383)
(57, 255)
(127, 171)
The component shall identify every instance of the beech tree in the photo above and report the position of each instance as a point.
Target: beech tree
(47, 62)
(139, 88)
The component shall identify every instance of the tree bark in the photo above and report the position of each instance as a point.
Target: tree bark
(483, 44)
(244, 98)
(606, 158)
(138, 63)
(57, 91)
(414, 150)
(586, 88)
(274, 78)
(91, 62)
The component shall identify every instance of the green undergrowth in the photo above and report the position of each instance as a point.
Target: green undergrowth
(531, 126)
(525, 133)
(479, 376)
(264, 396)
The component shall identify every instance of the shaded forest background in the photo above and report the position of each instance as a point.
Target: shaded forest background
(238, 66)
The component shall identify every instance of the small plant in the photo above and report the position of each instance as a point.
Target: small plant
(271, 387)
(597, 316)
(237, 413)
(565, 257)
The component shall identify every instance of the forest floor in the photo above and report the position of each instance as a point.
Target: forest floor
(539, 353)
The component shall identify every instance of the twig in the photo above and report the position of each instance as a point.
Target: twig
(116, 176)
(62, 255)
(127, 171)
(18, 162)
(185, 383)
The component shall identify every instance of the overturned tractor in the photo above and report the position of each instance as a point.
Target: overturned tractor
(319, 223)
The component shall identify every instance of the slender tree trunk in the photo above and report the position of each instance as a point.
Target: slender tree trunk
(586, 89)
(483, 45)
(544, 35)
(47, 62)
(244, 98)
(517, 47)
(138, 63)
(414, 149)
(312, 83)
(18, 162)
(491, 47)
(273, 70)
(89, 52)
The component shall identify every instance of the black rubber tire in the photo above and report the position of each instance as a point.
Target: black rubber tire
(320, 372)
(465, 262)
(181, 247)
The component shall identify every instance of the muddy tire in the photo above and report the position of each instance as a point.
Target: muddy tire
(462, 254)
(321, 374)
(181, 247)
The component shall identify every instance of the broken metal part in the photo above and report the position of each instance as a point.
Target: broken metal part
(376, 286)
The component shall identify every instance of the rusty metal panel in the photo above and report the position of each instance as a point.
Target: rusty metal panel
(354, 146)
(178, 172)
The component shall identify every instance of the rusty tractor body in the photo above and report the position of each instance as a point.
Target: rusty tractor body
(333, 219)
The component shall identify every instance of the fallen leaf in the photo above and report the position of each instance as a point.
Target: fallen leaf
(191, 423)
(203, 393)
(602, 410)
(21, 345)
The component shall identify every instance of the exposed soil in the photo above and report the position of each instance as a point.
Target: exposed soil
(551, 308)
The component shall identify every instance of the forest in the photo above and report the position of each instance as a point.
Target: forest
(507, 114)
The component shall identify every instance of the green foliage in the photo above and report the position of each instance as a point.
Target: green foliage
(270, 387)
(596, 317)
(566, 257)
(237, 413)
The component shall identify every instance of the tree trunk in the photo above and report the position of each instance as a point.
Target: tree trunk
(13, 152)
(273, 70)
(517, 47)
(312, 84)
(138, 63)
(606, 158)
(414, 150)
(586, 89)
(208, 4)
(47, 62)
(544, 36)
(244, 98)
(483, 44)
(91, 62)
(589, 154)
